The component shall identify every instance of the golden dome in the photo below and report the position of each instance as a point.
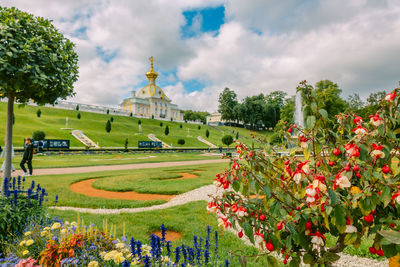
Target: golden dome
(151, 74)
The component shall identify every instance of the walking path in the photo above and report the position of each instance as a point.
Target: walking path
(72, 170)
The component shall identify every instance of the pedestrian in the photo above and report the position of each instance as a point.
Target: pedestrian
(3, 155)
(27, 157)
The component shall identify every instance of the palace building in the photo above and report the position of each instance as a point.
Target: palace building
(151, 101)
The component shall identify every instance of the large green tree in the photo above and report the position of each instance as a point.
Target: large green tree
(227, 102)
(36, 63)
(328, 95)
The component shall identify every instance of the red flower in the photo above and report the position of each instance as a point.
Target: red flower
(279, 225)
(356, 168)
(380, 252)
(369, 218)
(270, 247)
(308, 225)
(376, 120)
(386, 169)
(240, 234)
(372, 250)
(336, 152)
(359, 130)
(357, 119)
(262, 217)
(391, 96)
(290, 130)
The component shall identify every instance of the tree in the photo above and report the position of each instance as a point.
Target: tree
(190, 115)
(227, 102)
(166, 132)
(343, 187)
(108, 111)
(131, 115)
(112, 119)
(126, 145)
(180, 126)
(181, 142)
(172, 119)
(38, 135)
(287, 110)
(237, 135)
(254, 111)
(152, 116)
(139, 122)
(207, 133)
(78, 116)
(108, 126)
(199, 127)
(227, 140)
(275, 101)
(354, 102)
(37, 63)
(77, 107)
(161, 124)
(38, 113)
(328, 97)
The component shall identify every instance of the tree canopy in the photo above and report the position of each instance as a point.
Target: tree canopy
(227, 102)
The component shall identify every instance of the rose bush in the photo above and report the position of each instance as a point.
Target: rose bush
(342, 180)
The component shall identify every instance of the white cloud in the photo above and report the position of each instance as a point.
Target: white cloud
(263, 46)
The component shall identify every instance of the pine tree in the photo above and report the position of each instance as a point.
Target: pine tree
(207, 133)
(38, 113)
(108, 126)
(166, 130)
(78, 116)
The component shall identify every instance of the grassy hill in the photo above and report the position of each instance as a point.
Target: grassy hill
(93, 125)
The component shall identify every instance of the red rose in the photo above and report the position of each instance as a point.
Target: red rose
(279, 226)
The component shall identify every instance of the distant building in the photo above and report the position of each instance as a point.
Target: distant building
(151, 101)
(215, 119)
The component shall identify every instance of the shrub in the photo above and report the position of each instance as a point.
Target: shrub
(78, 116)
(18, 208)
(77, 107)
(38, 113)
(180, 126)
(227, 140)
(139, 122)
(166, 132)
(342, 185)
(172, 119)
(275, 139)
(199, 127)
(108, 111)
(152, 116)
(112, 119)
(38, 135)
(237, 135)
(131, 114)
(108, 126)
(161, 124)
(207, 133)
(126, 145)
(181, 142)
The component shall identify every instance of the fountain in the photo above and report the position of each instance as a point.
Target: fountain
(299, 115)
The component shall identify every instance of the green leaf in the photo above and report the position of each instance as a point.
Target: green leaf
(331, 257)
(333, 197)
(386, 195)
(340, 215)
(389, 250)
(272, 261)
(314, 107)
(391, 235)
(310, 121)
(267, 191)
(248, 230)
(350, 238)
(308, 258)
(323, 113)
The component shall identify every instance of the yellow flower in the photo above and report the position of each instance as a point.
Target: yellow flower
(28, 233)
(55, 226)
(75, 224)
(93, 264)
(119, 258)
(22, 243)
(355, 190)
(64, 231)
(43, 233)
(120, 245)
(46, 228)
(29, 242)
(25, 252)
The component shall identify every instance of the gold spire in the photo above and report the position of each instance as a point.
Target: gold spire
(151, 74)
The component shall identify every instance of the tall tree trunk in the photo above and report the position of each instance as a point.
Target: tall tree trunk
(8, 145)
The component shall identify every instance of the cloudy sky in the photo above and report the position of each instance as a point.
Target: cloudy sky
(202, 46)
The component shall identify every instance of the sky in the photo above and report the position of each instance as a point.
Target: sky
(202, 46)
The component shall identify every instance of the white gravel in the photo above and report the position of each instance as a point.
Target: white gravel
(203, 193)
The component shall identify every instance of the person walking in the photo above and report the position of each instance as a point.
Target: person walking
(3, 155)
(27, 157)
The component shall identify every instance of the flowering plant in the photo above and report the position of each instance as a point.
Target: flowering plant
(340, 180)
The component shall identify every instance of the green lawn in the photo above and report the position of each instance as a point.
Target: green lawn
(142, 180)
(190, 219)
(76, 160)
(93, 125)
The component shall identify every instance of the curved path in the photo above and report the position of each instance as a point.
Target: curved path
(72, 170)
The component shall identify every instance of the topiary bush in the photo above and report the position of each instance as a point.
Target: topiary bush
(207, 133)
(78, 116)
(227, 140)
(345, 183)
(38, 135)
(161, 124)
(181, 142)
(38, 113)
(166, 132)
(108, 126)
